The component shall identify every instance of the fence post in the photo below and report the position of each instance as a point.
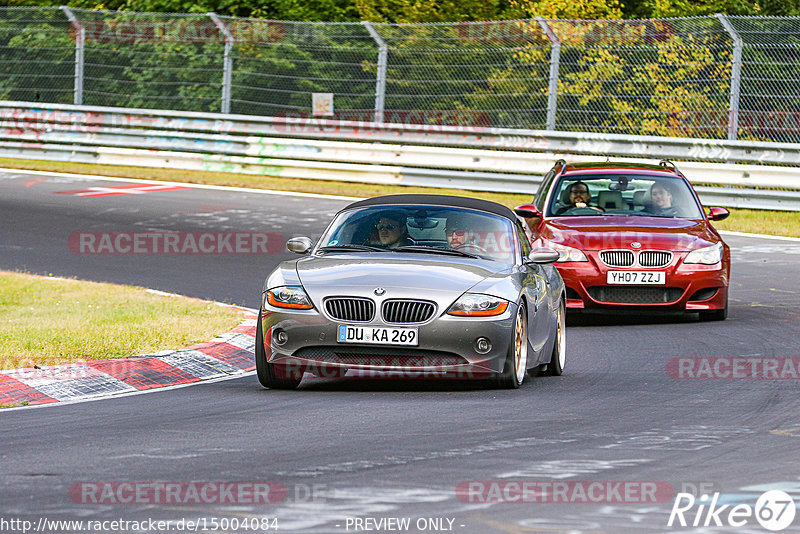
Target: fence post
(555, 61)
(380, 79)
(736, 76)
(80, 38)
(227, 62)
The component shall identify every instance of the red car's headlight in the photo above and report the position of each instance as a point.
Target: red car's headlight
(706, 255)
(566, 254)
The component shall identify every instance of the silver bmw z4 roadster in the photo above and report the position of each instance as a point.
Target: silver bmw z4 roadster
(414, 286)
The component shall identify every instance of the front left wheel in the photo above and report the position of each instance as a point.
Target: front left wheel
(555, 367)
(267, 373)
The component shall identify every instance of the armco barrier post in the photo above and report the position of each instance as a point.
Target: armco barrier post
(80, 38)
(555, 61)
(736, 76)
(380, 78)
(227, 63)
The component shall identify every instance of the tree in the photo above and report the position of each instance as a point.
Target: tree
(648, 9)
(568, 9)
(405, 11)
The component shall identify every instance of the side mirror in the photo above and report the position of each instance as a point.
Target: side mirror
(299, 245)
(543, 255)
(717, 214)
(528, 211)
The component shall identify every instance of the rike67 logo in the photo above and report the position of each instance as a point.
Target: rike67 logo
(774, 510)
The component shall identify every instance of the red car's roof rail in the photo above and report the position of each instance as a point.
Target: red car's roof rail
(667, 163)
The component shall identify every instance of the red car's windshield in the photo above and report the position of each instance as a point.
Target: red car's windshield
(623, 194)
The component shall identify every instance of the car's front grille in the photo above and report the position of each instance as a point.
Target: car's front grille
(627, 258)
(617, 258)
(407, 311)
(635, 294)
(655, 258)
(350, 309)
(380, 356)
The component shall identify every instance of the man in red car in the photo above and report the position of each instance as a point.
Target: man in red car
(579, 197)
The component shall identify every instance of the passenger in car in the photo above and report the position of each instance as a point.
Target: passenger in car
(662, 197)
(392, 230)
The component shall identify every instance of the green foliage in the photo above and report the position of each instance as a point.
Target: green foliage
(399, 11)
(406, 11)
(692, 8)
(312, 10)
(780, 8)
(569, 9)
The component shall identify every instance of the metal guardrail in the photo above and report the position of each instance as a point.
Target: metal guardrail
(510, 161)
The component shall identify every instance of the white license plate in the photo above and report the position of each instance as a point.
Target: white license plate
(377, 335)
(636, 277)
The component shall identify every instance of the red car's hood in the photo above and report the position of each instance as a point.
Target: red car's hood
(598, 232)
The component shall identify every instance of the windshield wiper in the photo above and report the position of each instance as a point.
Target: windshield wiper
(434, 250)
(648, 214)
(345, 248)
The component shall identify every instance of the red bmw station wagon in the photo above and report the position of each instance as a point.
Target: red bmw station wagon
(631, 237)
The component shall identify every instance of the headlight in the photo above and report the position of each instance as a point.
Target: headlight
(706, 255)
(293, 297)
(477, 305)
(566, 253)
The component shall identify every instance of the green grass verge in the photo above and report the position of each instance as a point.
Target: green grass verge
(741, 220)
(785, 223)
(47, 321)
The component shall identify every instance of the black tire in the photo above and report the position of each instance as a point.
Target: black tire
(266, 371)
(715, 315)
(517, 355)
(559, 356)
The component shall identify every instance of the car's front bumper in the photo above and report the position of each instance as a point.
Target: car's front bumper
(446, 347)
(688, 287)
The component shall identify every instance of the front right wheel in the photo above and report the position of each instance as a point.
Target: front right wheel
(267, 374)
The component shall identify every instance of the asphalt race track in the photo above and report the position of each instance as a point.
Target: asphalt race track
(365, 455)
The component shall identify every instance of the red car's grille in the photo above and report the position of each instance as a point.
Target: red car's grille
(655, 258)
(635, 294)
(350, 309)
(627, 258)
(617, 258)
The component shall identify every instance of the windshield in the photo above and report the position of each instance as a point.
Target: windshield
(623, 194)
(423, 230)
